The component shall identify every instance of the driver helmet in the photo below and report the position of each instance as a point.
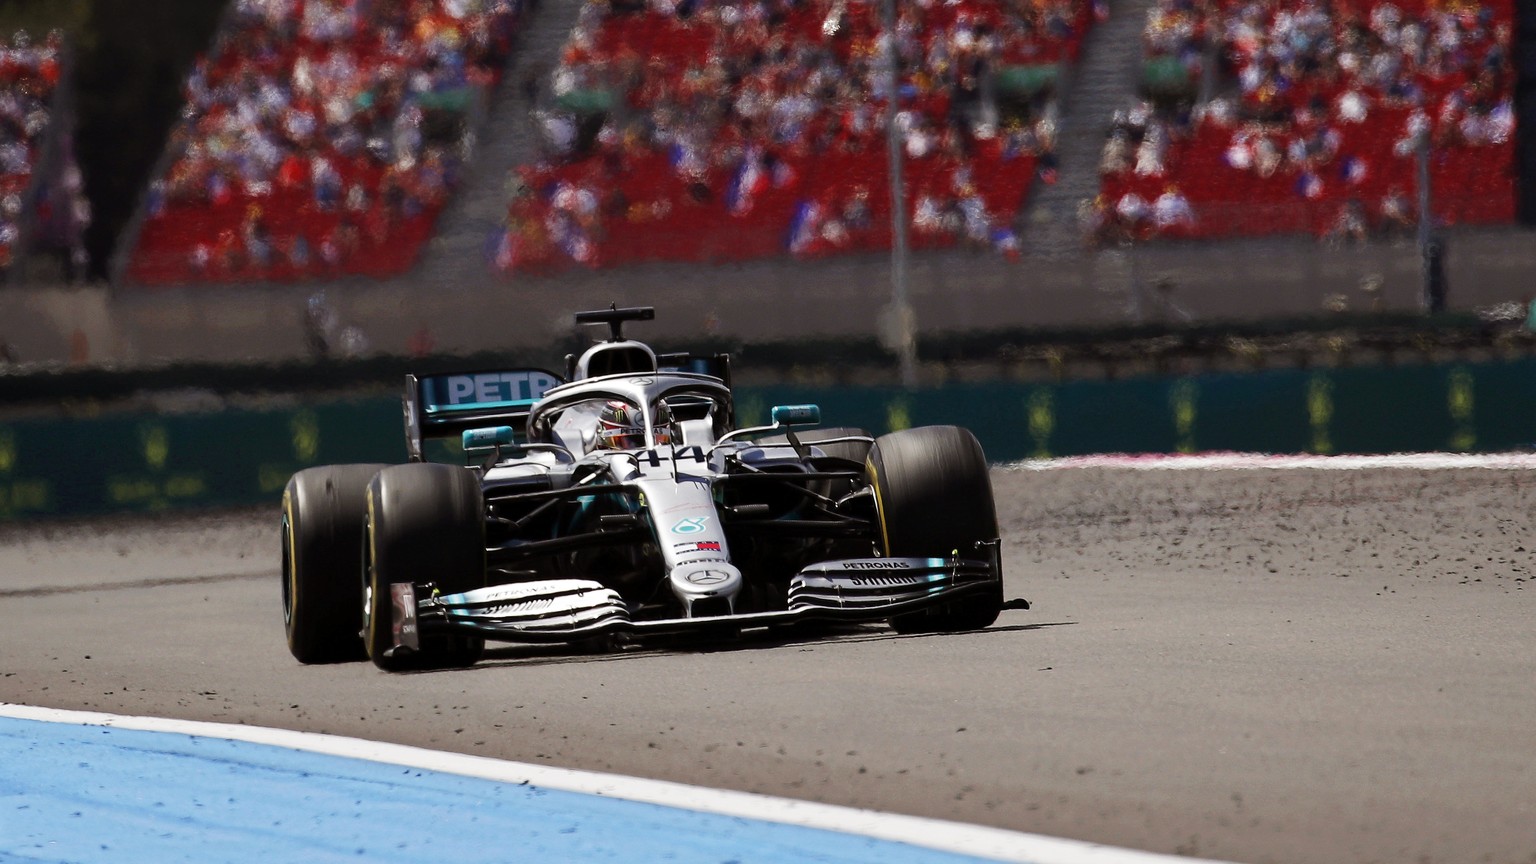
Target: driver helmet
(621, 426)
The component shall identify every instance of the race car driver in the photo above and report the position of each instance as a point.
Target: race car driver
(621, 426)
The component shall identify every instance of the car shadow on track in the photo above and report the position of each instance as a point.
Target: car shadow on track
(796, 637)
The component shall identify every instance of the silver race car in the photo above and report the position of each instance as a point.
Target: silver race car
(620, 501)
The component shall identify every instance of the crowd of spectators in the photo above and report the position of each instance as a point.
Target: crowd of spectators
(747, 128)
(319, 137)
(54, 207)
(1317, 128)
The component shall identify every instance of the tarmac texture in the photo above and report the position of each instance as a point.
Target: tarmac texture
(1293, 666)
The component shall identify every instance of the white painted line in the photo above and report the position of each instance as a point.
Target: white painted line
(1262, 461)
(976, 840)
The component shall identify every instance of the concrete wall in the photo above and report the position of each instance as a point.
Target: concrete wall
(953, 291)
(60, 324)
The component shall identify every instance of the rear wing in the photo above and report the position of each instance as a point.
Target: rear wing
(444, 406)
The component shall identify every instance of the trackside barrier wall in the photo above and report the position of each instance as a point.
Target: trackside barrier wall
(144, 462)
(147, 462)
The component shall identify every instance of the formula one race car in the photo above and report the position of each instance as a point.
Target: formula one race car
(621, 500)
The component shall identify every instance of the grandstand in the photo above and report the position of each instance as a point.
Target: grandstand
(43, 209)
(1318, 130)
(1067, 164)
(318, 140)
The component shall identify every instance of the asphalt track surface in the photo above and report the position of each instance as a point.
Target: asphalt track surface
(1254, 665)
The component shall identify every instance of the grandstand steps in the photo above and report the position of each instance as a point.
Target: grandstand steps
(1106, 79)
(458, 253)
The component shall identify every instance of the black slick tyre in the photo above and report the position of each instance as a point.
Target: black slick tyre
(323, 523)
(426, 523)
(933, 494)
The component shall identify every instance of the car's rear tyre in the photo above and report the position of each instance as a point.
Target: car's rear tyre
(426, 523)
(933, 494)
(854, 452)
(323, 523)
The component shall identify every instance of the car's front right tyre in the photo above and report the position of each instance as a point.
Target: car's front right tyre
(322, 534)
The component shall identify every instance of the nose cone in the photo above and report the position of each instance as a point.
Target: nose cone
(707, 588)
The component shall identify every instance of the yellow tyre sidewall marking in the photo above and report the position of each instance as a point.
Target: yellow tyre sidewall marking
(885, 537)
(293, 558)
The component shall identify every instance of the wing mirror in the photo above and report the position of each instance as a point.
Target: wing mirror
(796, 415)
(488, 438)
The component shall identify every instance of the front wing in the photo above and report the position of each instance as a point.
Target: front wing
(572, 610)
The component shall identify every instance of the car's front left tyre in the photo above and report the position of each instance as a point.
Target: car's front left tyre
(933, 495)
(425, 523)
